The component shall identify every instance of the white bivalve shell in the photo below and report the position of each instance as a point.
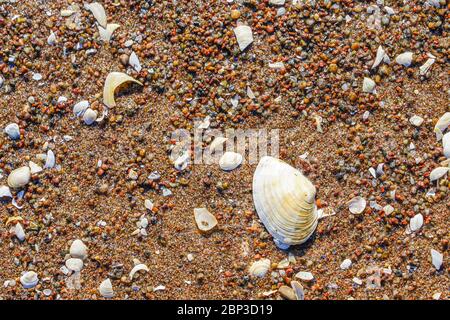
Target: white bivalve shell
(259, 268)
(230, 161)
(19, 178)
(285, 202)
(106, 289)
(90, 116)
(29, 279)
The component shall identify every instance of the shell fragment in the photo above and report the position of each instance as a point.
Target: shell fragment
(244, 36)
(206, 222)
(113, 81)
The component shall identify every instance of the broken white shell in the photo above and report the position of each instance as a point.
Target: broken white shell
(34, 168)
(250, 93)
(78, 250)
(217, 144)
(277, 2)
(90, 116)
(426, 66)
(98, 11)
(49, 160)
(368, 85)
(259, 268)
(244, 36)
(438, 173)
(416, 121)
(405, 59)
(112, 82)
(19, 178)
(51, 40)
(437, 259)
(74, 264)
(381, 56)
(67, 13)
(5, 192)
(106, 289)
(446, 144)
(346, 264)
(13, 131)
(80, 108)
(148, 204)
(134, 62)
(441, 125)
(106, 33)
(137, 268)
(19, 232)
(304, 275)
(230, 161)
(29, 279)
(357, 205)
(298, 290)
(206, 221)
(416, 222)
(276, 65)
(285, 202)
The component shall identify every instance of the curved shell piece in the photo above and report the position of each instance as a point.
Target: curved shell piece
(438, 173)
(206, 221)
(106, 33)
(259, 268)
(98, 11)
(112, 82)
(446, 144)
(441, 125)
(29, 279)
(137, 268)
(285, 201)
(106, 289)
(230, 161)
(5, 192)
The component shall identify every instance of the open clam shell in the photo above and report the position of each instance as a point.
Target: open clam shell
(285, 202)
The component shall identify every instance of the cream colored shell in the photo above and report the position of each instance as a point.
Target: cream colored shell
(285, 202)
(113, 81)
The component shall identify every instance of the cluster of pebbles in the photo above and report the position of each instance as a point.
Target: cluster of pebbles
(355, 206)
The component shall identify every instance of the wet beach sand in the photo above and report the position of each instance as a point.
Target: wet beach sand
(192, 68)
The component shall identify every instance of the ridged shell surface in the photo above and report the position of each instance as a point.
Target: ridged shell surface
(285, 201)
